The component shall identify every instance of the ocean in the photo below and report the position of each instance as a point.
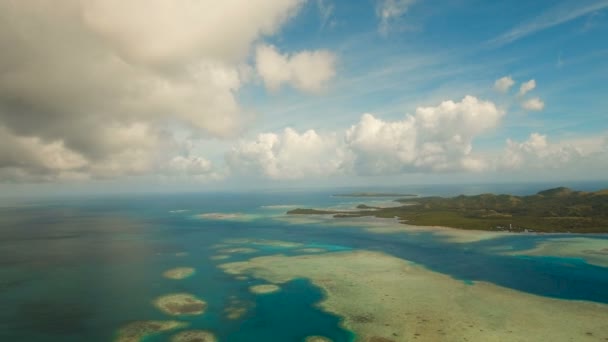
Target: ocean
(80, 268)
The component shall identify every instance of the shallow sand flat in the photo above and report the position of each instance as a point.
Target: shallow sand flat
(380, 225)
(220, 257)
(179, 273)
(281, 206)
(262, 242)
(593, 251)
(180, 304)
(311, 250)
(239, 250)
(194, 336)
(264, 289)
(229, 216)
(399, 301)
(137, 331)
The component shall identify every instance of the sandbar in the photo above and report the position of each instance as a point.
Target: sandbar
(263, 242)
(379, 225)
(194, 336)
(593, 251)
(220, 257)
(384, 298)
(137, 331)
(228, 216)
(239, 250)
(264, 288)
(180, 304)
(311, 250)
(179, 273)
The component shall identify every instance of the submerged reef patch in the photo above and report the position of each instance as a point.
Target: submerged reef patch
(179, 273)
(138, 330)
(180, 304)
(236, 308)
(194, 336)
(264, 288)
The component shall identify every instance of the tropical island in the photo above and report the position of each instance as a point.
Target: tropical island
(554, 210)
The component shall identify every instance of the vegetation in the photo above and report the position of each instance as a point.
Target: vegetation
(554, 210)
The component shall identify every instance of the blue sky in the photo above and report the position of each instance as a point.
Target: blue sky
(437, 51)
(293, 92)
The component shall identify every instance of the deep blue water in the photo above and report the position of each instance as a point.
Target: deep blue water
(78, 269)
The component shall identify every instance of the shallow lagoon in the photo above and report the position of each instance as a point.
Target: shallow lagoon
(75, 270)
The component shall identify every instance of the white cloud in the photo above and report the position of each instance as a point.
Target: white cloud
(288, 155)
(535, 104)
(192, 168)
(94, 83)
(526, 87)
(181, 31)
(306, 70)
(436, 139)
(388, 11)
(503, 84)
(538, 153)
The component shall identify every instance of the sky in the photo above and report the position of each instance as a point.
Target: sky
(182, 95)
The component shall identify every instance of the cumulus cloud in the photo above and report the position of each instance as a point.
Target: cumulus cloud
(503, 84)
(434, 139)
(192, 167)
(288, 155)
(182, 30)
(526, 87)
(388, 11)
(535, 104)
(538, 153)
(96, 81)
(437, 139)
(306, 70)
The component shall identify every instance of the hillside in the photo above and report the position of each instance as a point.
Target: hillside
(553, 210)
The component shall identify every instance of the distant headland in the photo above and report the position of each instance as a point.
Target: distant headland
(557, 210)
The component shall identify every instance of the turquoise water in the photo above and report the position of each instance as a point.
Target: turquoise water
(79, 269)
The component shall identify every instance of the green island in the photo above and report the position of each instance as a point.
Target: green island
(374, 194)
(557, 210)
